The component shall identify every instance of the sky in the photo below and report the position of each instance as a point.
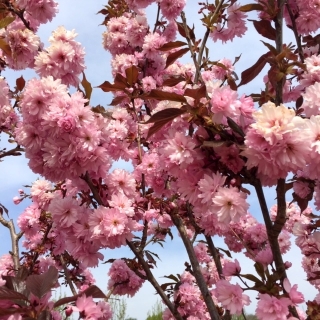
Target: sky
(81, 16)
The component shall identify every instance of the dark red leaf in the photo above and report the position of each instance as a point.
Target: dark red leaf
(196, 93)
(252, 72)
(132, 75)
(163, 117)
(170, 82)
(41, 284)
(20, 83)
(265, 28)
(93, 291)
(172, 57)
(163, 95)
(7, 294)
(166, 115)
(172, 45)
(117, 100)
(87, 86)
(108, 87)
(183, 32)
(251, 7)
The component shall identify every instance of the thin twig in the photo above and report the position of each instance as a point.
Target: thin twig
(12, 152)
(296, 35)
(93, 188)
(67, 274)
(204, 41)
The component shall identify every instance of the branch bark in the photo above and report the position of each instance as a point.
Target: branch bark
(196, 268)
(153, 281)
(15, 237)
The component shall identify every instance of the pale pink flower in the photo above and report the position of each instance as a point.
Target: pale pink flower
(229, 205)
(208, 186)
(87, 307)
(271, 308)
(64, 211)
(231, 296)
(231, 268)
(171, 9)
(295, 296)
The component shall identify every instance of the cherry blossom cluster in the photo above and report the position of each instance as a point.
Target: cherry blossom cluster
(69, 137)
(63, 60)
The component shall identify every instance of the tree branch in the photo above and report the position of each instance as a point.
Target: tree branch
(196, 268)
(153, 281)
(12, 152)
(15, 237)
(67, 274)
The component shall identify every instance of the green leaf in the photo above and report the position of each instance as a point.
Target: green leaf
(87, 86)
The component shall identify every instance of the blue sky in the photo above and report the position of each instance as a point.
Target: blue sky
(81, 16)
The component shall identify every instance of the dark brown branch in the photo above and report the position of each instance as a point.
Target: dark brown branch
(215, 255)
(196, 268)
(278, 21)
(12, 152)
(296, 35)
(193, 54)
(93, 188)
(157, 19)
(153, 281)
(67, 274)
(272, 236)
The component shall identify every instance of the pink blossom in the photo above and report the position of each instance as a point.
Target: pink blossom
(231, 296)
(295, 296)
(229, 205)
(231, 268)
(88, 308)
(208, 186)
(271, 308)
(171, 9)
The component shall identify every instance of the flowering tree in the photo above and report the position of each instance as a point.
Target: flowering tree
(194, 143)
